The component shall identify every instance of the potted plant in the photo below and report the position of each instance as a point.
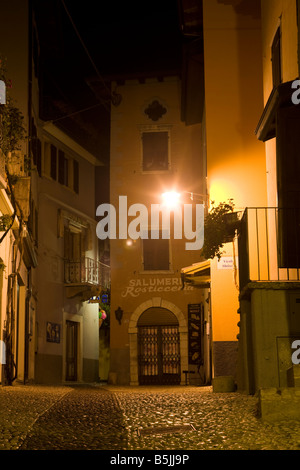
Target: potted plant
(220, 227)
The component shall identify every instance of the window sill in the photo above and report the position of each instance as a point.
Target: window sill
(155, 172)
(156, 271)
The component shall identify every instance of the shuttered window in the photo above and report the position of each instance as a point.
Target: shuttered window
(156, 255)
(288, 177)
(63, 175)
(75, 176)
(155, 151)
(53, 162)
(276, 59)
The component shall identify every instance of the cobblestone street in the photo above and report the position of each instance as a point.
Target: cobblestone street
(130, 418)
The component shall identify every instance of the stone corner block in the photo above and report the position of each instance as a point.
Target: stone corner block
(223, 384)
(279, 404)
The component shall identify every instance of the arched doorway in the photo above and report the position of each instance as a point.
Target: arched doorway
(133, 335)
(158, 347)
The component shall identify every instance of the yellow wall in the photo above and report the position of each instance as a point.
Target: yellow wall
(235, 159)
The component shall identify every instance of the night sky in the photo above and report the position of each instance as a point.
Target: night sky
(86, 44)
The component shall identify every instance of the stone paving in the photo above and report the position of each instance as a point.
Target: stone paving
(102, 417)
(221, 421)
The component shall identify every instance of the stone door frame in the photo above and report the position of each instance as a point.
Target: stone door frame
(133, 335)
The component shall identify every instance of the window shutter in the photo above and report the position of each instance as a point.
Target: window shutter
(288, 177)
(53, 162)
(156, 255)
(155, 151)
(75, 176)
(276, 59)
(62, 168)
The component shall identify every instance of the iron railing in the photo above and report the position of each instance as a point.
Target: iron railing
(87, 271)
(269, 245)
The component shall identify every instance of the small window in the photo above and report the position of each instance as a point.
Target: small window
(156, 255)
(53, 162)
(63, 168)
(155, 151)
(76, 176)
(33, 222)
(36, 148)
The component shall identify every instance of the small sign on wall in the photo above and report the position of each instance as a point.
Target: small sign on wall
(53, 332)
(226, 262)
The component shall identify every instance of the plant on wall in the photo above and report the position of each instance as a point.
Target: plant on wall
(220, 226)
(5, 222)
(12, 135)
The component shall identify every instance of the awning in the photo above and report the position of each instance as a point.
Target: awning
(197, 275)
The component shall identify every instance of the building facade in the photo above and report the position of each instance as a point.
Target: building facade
(253, 46)
(155, 322)
(53, 274)
(269, 280)
(69, 273)
(17, 252)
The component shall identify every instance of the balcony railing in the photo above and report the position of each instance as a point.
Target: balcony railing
(269, 245)
(87, 271)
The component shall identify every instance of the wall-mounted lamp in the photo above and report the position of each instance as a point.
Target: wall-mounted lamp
(119, 314)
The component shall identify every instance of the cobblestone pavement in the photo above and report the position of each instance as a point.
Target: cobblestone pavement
(136, 418)
(213, 421)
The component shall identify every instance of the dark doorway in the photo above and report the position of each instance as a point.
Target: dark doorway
(158, 348)
(71, 350)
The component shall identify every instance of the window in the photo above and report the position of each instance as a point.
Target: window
(72, 244)
(155, 151)
(73, 252)
(63, 168)
(156, 255)
(75, 176)
(33, 222)
(276, 59)
(36, 148)
(53, 162)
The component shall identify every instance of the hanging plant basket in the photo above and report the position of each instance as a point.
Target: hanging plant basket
(220, 227)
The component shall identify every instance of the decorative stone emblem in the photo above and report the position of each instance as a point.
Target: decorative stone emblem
(155, 110)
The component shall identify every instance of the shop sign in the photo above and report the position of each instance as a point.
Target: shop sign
(137, 287)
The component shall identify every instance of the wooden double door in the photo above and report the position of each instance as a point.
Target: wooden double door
(159, 355)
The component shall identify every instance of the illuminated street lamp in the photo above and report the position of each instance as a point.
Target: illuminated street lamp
(171, 198)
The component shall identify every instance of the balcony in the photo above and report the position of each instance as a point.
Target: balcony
(269, 245)
(84, 274)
